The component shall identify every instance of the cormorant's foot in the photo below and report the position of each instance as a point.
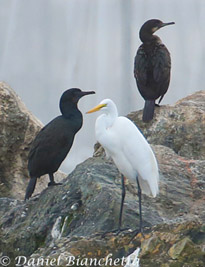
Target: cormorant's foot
(157, 105)
(54, 183)
(115, 231)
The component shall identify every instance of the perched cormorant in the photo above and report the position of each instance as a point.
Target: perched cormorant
(53, 142)
(152, 66)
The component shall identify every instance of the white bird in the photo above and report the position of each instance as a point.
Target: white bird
(130, 151)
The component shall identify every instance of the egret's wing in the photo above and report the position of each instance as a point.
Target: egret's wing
(139, 153)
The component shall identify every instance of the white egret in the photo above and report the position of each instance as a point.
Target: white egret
(129, 150)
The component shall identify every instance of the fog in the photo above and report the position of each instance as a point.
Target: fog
(51, 45)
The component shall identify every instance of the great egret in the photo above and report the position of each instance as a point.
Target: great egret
(152, 66)
(54, 141)
(129, 150)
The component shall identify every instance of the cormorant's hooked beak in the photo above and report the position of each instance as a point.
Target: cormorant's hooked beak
(166, 24)
(82, 93)
(154, 29)
(97, 108)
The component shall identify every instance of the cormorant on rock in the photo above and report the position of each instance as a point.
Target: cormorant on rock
(152, 66)
(54, 141)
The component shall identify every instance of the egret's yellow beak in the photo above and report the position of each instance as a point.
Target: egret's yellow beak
(98, 107)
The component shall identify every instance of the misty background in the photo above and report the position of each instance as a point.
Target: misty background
(48, 46)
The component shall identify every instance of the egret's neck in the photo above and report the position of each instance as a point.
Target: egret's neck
(105, 121)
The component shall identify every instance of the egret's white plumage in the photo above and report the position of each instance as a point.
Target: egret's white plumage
(128, 148)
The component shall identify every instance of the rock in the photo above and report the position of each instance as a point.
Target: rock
(180, 127)
(18, 128)
(94, 187)
(174, 245)
(69, 222)
(150, 245)
(182, 248)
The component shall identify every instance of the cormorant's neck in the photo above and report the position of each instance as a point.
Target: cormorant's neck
(147, 37)
(69, 110)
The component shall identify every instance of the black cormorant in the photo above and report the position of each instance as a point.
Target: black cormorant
(152, 66)
(53, 142)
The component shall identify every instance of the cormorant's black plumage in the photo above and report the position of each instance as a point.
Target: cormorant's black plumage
(53, 142)
(152, 66)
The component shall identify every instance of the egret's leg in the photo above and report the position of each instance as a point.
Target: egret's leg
(140, 204)
(52, 182)
(138, 230)
(119, 229)
(122, 201)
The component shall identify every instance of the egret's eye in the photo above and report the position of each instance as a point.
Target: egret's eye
(104, 105)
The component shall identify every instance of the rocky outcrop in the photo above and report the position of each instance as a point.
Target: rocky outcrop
(180, 127)
(18, 128)
(70, 221)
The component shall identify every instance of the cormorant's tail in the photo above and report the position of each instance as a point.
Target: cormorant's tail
(148, 111)
(30, 188)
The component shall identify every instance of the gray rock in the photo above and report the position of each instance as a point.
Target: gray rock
(180, 127)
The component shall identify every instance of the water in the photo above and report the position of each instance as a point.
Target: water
(51, 45)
